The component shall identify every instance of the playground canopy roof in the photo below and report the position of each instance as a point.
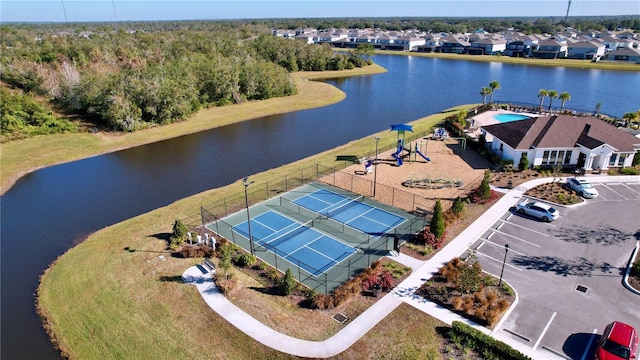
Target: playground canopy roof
(401, 127)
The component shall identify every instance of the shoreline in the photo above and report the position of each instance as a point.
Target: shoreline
(133, 275)
(21, 157)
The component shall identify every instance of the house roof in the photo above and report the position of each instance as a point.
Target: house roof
(562, 131)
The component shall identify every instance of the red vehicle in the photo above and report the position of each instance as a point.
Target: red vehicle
(619, 341)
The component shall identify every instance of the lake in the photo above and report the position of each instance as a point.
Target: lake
(52, 209)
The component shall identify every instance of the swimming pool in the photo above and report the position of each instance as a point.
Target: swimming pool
(503, 118)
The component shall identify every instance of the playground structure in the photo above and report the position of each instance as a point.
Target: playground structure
(400, 138)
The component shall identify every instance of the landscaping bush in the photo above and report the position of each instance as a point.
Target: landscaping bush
(245, 260)
(437, 221)
(287, 283)
(524, 162)
(178, 234)
(635, 269)
(459, 206)
(198, 251)
(481, 343)
(630, 171)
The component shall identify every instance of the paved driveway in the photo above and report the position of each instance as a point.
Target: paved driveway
(568, 274)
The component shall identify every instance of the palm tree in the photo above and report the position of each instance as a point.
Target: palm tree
(542, 94)
(484, 92)
(629, 118)
(564, 96)
(494, 85)
(552, 95)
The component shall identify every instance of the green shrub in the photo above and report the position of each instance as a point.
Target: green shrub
(459, 206)
(245, 260)
(484, 191)
(489, 347)
(287, 283)
(507, 289)
(272, 274)
(178, 234)
(437, 221)
(261, 265)
(630, 171)
(635, 269)
(524, 162)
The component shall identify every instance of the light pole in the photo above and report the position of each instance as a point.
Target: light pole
(506, 250)
(375, 167)
(246, 184)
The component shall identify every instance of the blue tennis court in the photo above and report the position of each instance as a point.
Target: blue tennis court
(298, 243)
(350, 211)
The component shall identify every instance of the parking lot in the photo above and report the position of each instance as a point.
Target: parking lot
(567, 273)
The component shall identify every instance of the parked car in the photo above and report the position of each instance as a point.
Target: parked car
(618, 341)
(582, 187)
(538, 210)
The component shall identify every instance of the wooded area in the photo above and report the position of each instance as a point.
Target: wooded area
(129, 80)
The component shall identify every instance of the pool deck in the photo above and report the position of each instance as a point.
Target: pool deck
(487, 118)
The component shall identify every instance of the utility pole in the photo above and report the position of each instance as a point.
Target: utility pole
(567, 15)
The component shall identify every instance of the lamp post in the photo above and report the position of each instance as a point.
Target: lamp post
(506, 250)
(375, 167)
(246, 184)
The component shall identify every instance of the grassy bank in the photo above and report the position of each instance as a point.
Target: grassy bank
(23, 156)
(571, 63)
(119, 295)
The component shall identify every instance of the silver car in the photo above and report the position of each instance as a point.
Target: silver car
(582, 187)
(538, 210)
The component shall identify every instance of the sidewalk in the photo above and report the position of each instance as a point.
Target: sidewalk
(404, 292)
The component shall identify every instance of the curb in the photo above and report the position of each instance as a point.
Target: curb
(625, 280)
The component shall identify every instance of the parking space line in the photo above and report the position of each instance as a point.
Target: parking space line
(526, 228)
(584, 354)
(614, 191)
(544, 331)
(501, 246)
(479, 245)
(630, 188)
(511, 236)
(499, 261)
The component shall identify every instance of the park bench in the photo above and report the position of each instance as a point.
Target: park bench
(209, 265)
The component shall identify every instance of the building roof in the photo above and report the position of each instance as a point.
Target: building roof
(562, 131)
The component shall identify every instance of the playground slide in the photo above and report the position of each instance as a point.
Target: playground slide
(396, 155)
(421, 154)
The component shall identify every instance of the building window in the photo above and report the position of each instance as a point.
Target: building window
(612, 159)
(567, 157)
(545, 158)
(553, 157)
(621, 159)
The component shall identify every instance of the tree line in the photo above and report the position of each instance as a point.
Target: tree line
(127, 81)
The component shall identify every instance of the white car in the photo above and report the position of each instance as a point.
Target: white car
(538, 210)
(582, 187)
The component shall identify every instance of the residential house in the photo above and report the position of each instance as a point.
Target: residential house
(583, 142)
(431, 43)
(452, 44)
(406, 43)
(625, 54)
(488, 46)
(551, 49)
(585, 50)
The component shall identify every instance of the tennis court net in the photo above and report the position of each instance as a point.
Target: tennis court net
(288, 234)
(321, 219)
(342, 206)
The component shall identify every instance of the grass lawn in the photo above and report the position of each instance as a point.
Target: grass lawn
(119, 294)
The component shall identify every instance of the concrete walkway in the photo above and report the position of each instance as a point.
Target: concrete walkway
(404, 292)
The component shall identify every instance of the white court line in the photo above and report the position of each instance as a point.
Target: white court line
(499, 261)
(544, 331)
(517, 238)
(502, 246)
(584, 354)
(615, 191)
(526, 228)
